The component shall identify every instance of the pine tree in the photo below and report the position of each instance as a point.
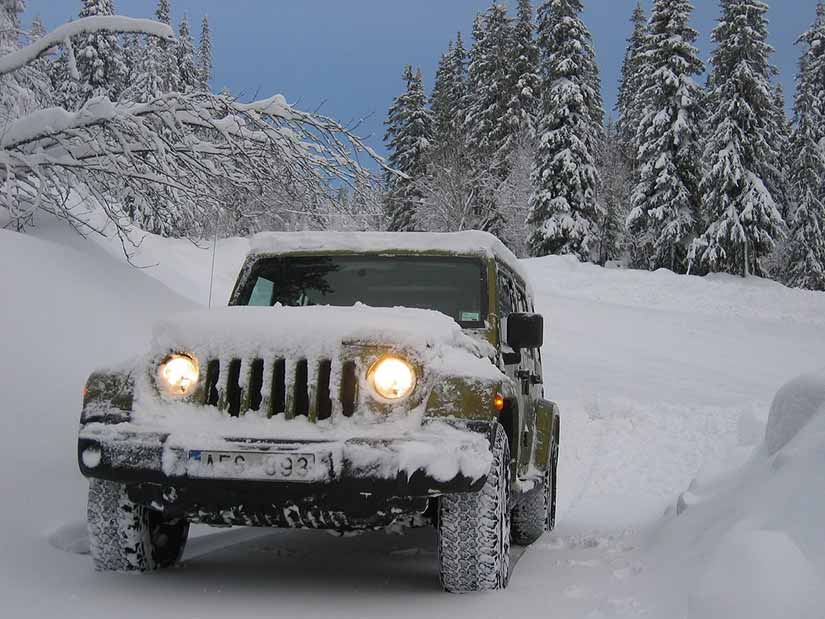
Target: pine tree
(16, 96)
(806, 247)
(100, 62)
(39, 81)
(629, 87)
(744, 220)
(185, 52)
(440, 102)
(614, 196)
(777, 170)
(564, 210)
(523, 106)
(205, 56)
(488, 91)
(166, 52)
(665, 202)
(408, 137)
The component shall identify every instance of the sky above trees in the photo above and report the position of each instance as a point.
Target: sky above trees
(346, 57)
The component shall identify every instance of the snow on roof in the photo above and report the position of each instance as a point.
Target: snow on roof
(467, 243)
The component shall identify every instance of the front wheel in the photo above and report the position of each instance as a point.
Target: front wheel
(474, 530)
(127, 537)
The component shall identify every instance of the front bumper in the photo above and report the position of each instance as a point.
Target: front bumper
(162, 464)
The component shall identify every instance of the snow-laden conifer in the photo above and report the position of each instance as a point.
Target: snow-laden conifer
(36, 73)
(744, 219)
(448, 97)
(166, 52)
(525, 98)
(188, 79)
(408, 137)
(564, 211)
(630, 85)
(13, 95)
(665, 213)
(99, 56)
(488, 91)
(205, 55)
(806, 245)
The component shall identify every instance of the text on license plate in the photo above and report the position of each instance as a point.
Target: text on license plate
(253, 465)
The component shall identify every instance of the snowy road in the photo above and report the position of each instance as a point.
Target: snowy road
(661, 379)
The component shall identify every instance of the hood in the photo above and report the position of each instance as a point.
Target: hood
(314, 332)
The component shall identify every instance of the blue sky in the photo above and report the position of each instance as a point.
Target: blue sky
(347, 56)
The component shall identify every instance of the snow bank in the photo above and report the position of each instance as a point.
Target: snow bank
(753, 543)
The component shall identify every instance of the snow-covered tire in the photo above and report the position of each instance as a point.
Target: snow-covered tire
(530, 516)
(534, 511)
(126, 537)
(474, 530)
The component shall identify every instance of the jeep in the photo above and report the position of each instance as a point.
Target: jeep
(357, 381)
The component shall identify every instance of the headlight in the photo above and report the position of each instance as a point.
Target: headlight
(178, 374)
(392, 378)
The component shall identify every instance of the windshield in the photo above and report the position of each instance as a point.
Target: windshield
(453, 286)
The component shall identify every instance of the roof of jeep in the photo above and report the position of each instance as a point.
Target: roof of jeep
(468, 243)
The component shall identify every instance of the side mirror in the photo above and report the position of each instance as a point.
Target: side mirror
(525, 331)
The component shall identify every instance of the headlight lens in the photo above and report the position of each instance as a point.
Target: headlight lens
(178, 374)
(392, 378)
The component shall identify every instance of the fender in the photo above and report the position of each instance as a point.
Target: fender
(547, 431)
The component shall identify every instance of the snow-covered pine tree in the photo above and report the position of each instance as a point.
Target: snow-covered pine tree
(10, 87)
(777, 171)
(564, 209)
(665, 202)
(408, 138)
(35, 76)
(488, 91)
(100, 61)
(525, 98)
(185, 53)
(614, 196)
(806, 247)
(440, 102)
(744, 219)
(205, 55)
(166, 52)
(633, 71)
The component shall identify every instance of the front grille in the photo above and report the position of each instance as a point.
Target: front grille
(315, 389)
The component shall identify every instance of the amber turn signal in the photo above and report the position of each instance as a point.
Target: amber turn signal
(498, 402)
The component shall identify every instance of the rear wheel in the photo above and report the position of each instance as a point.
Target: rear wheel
(534, 511)
(474, 530)
(127, 537)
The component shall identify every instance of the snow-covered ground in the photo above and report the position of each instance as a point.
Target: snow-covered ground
(665, 384)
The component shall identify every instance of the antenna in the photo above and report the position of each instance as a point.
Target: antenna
(212, 271)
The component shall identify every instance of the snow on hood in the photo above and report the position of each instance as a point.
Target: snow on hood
(319, 331)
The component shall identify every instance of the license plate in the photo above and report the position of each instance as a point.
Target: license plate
(252, 465)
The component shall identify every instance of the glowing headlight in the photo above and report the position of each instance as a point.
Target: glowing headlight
(392, 378)
(178, 374)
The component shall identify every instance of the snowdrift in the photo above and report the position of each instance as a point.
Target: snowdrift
(753, 540)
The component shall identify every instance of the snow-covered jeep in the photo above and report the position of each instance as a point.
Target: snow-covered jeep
(356, 382)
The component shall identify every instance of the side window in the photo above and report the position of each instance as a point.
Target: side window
(505, 295)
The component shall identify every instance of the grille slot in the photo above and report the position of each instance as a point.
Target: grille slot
(213, 374)
(300, 396)
(324, 405)
(349, 388)
(278, 388)
(256, 382)
(233, 388)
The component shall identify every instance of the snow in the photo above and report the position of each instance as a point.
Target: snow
(470, 243)
(665, 385)
(65, 32)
